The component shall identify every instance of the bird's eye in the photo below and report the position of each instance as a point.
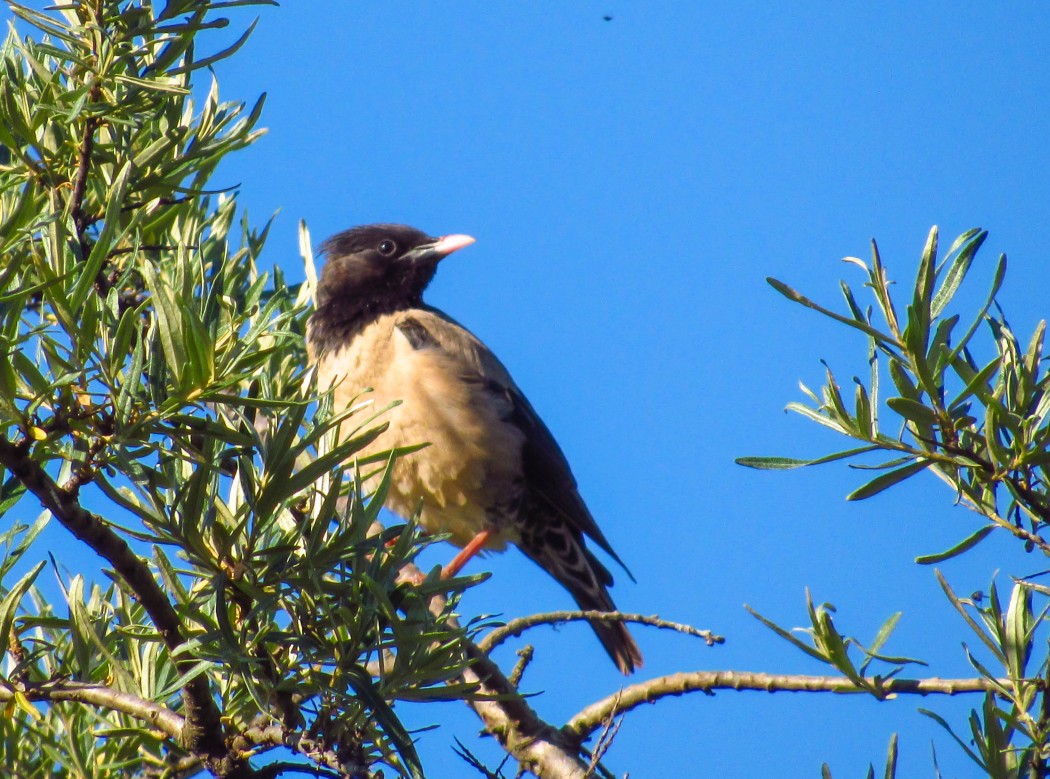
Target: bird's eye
(387, 247)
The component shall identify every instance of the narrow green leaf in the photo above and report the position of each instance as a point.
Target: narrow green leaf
(914, 411)
(9, 496)
(939, 344)
(199, 669)
(958, 604)
(884, 632)
(944, 724)
(902, 381)
(852, 303)
(131, 382)
(788, 463)
(366, 690)
(957, 272)
(996, 451)
(212, 59)
(865, 419)
(834, 395)
(956, 244)
(9, 605)
(997, 282)
(835, 647)
(107, 237)
(880, 284)
(816, 416)
(168, 323)
(966, 544)
(864, 327)
(891, 759)
(976, 382)
(873, 361)
(786, 635)
(986, 673)
(916, 337)
(880, 483)
(1034, 356)
(1017, 644)
(919, 312)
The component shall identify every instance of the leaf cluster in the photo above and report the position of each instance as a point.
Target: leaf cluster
(981, 426)
(153, 397)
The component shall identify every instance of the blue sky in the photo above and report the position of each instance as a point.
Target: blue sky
(631, 183)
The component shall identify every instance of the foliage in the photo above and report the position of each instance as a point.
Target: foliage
(982, 428)
(249, 617)
(153, 399)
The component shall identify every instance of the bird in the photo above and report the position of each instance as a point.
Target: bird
(492, 473)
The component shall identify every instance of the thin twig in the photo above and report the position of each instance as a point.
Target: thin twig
(609, 730)
(519, 625)
(160, 201)
(524, 658)
(591, 718)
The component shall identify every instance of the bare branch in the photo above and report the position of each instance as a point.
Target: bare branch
(160, 717)
(518, 626)
(594, 716)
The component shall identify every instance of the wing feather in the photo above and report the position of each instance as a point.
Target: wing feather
(547, 473)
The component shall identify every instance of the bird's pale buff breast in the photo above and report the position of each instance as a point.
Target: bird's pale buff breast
(471, 451)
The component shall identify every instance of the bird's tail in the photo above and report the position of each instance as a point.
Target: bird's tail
(560, 552)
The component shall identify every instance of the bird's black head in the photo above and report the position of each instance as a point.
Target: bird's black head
(374, 270)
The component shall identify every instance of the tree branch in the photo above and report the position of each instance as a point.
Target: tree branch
(202, 729)
(538, 747)
(519, 625)
(594, 716)
(273, 735)
(87, 146)
(160, 717)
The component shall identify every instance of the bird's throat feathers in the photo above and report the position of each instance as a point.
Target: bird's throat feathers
(336, 321)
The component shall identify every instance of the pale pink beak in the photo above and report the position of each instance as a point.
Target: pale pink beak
(447, 244)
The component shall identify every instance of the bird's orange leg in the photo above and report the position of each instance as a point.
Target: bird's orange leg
(465, 554)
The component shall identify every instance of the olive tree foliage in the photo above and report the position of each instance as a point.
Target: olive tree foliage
(154, 402)
(219, 596)
(969, 402)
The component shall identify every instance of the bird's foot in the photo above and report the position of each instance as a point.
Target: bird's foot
(467, 552)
